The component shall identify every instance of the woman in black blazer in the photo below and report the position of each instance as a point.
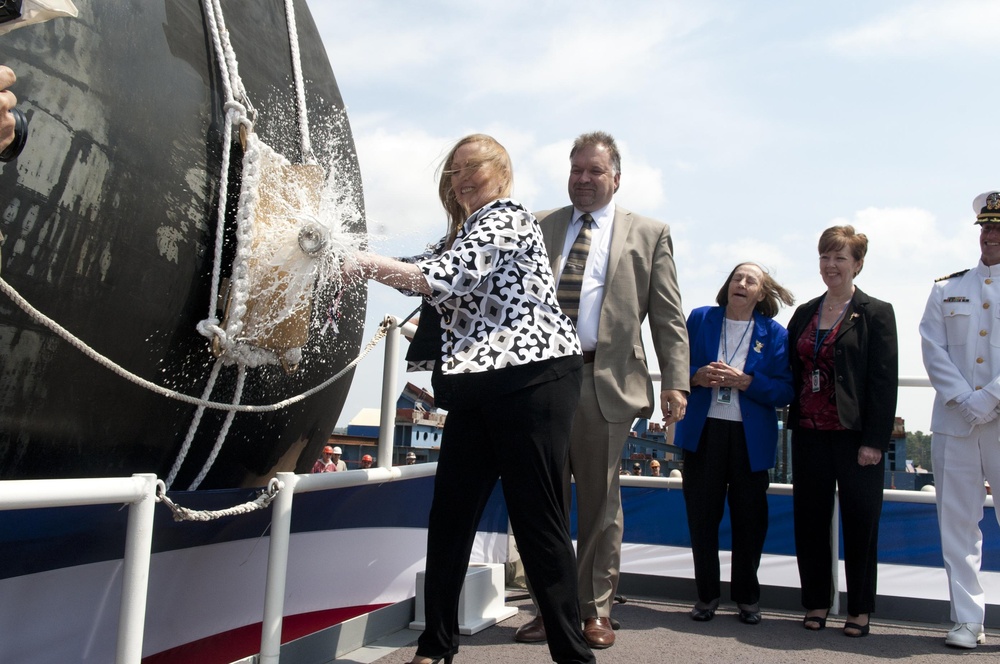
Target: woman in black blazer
(843, 353)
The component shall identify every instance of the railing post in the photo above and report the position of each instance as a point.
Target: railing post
(135, 573)
(387, 416)
(835, 539)
(277, 569)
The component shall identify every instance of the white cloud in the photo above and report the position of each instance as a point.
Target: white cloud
(571, 58)
(732, 127)
(398, 176)
(641, 184)
(540, 174)
(361, 40)
(924, 28)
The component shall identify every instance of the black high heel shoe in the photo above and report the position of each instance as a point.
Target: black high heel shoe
(815, 623)
(857, 630)
(447, 659)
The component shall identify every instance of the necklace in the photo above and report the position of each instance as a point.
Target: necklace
(836, 305)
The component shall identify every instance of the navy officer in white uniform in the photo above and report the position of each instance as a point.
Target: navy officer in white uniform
(960, 337)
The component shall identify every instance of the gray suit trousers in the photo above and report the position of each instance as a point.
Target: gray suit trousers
(594, 457)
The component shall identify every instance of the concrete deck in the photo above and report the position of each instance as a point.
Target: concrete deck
(658, 631)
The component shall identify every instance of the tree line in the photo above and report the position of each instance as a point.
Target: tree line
(918, 449)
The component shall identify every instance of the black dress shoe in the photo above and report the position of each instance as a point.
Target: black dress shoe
(702, 615)
(703, 612)
(749, 613)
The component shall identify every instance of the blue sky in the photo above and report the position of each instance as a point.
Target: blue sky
(749, 127)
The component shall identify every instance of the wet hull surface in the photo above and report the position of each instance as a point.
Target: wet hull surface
(109, 216)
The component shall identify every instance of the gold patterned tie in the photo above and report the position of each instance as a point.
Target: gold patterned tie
(572, 275)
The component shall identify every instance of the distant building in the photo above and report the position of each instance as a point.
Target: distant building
(366, 423)
(895, 458)
(418, 428)
(418, 424)
(648, 441)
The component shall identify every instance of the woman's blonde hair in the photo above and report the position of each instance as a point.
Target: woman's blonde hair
(493, 153)
(836, 238)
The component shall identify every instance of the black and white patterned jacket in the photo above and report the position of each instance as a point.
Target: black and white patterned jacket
(496, 294)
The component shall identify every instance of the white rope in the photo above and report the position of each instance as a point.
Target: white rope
(195, 423)
(212, 16)
(262, 501)
(227, 340)
(241, 375)
(300, 91)
(237, 105)
(236, 115)
(232, 115)
(227, 58)
(109, 364)
(232, 348)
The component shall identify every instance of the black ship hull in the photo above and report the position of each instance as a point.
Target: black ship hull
(110, 218)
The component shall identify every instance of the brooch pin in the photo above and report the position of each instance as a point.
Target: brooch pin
(855, 315)
(758, 347)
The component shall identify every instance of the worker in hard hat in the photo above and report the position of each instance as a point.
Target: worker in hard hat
(325, 463)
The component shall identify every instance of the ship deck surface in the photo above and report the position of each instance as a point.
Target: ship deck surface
(658, 631)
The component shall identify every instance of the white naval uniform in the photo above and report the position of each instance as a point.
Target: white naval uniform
(960, 339)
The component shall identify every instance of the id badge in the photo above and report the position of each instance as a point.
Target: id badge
(725, 395)
(815, 380)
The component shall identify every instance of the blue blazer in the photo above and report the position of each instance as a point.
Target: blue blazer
(771, 388)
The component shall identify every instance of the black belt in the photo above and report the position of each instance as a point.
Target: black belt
(588, 356)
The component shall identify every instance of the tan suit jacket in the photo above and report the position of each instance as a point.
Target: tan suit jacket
(641, 281)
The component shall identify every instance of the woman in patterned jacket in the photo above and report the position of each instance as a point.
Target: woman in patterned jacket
(507, 367)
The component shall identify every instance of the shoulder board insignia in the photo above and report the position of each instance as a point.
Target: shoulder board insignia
(952, 275)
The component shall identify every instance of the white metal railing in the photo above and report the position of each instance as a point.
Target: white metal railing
(290, 484)
(891, 495)
(139, 493)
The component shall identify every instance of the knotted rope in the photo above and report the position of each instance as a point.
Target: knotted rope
(262, 501)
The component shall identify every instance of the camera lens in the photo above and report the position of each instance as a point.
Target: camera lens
(20, 136)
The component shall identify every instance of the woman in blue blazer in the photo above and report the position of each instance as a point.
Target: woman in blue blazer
(739, 375)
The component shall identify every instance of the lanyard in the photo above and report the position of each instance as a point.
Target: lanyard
(819, 314)
(725, 345)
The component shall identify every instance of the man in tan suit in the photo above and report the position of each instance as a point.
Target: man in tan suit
(629, 275)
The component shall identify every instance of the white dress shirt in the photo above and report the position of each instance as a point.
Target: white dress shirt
(592, 290)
